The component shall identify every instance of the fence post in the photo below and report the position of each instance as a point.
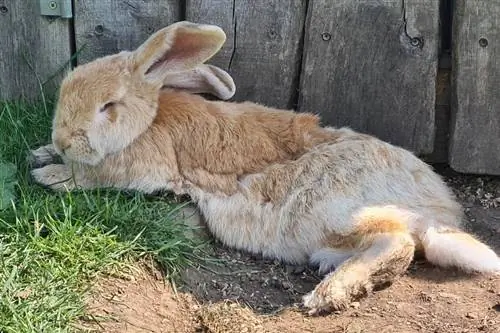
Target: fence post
(107, 27)
(475, 130)
(35, 50)
(371, 65)
(263, 47)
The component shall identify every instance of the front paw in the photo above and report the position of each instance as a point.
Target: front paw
(43, 156)
(57, 177)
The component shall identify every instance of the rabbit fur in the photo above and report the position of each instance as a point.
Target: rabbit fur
(267, 181)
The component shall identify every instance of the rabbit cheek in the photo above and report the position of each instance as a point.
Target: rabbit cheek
(106, 136)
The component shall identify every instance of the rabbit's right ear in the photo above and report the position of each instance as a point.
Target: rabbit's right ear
(179, 47)
(203, 79)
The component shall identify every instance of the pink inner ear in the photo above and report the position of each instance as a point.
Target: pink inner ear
(188, 49)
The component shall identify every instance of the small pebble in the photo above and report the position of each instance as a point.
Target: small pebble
(448, 295)
(471, 315)
(425, 297)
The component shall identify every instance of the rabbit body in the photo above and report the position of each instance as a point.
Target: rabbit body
(294, 209)
(267, 181)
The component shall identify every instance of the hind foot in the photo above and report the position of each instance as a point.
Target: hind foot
(332, 295)
(319, 302)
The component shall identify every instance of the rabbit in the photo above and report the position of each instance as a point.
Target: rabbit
(267, 181)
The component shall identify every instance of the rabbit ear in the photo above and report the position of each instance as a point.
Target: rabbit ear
(203, 79)
(178, 47)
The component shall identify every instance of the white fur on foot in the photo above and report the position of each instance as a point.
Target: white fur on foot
(315, 304)
(56, 176)
(326, 298)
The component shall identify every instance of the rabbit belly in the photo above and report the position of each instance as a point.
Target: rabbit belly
(291, 210)
(256, 228)
(295, 231)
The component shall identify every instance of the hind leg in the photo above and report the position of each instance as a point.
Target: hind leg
(450, 247)
(386, 256)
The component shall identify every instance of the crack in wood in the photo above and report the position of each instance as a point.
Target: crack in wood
(233, 52)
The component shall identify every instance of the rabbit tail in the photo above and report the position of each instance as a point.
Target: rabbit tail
(454, 248)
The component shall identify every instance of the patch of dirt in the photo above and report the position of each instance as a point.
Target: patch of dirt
(242, 293)
(144, 302)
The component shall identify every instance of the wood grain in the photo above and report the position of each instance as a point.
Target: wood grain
(107, 27)
(475, 130)
(263, 48)
(371, 65)
(33, 50)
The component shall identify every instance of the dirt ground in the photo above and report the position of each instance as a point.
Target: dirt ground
(241, 293)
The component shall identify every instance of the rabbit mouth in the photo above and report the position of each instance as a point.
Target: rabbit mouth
(79, 151)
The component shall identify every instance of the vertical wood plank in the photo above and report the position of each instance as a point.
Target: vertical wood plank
(33, 49)
(107, 27)
(263, 47)
(475, 137)
(371, 65)
(220, 13)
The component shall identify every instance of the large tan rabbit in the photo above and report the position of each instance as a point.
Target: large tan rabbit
(267, 181)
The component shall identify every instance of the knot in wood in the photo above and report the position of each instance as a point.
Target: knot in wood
(483, 42)
(326, 36)
(99, 29)
(417, 42)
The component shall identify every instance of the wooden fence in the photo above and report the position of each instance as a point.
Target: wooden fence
(379, 66)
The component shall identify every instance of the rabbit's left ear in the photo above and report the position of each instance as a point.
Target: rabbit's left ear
(179, 47)
(203, 79)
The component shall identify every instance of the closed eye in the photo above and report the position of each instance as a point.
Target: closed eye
(107, 106)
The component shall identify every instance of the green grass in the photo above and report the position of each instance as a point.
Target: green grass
(54, 245)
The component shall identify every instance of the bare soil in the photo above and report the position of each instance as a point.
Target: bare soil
(241, 293)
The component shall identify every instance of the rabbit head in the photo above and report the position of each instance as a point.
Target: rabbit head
(106, 104)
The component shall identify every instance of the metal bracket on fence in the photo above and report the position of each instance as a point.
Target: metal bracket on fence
(60, 8)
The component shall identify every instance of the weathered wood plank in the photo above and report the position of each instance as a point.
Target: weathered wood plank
(371, 65)
(475, 136)
(107, 27)
(220, 13)
(263, 47)
(32, 50)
